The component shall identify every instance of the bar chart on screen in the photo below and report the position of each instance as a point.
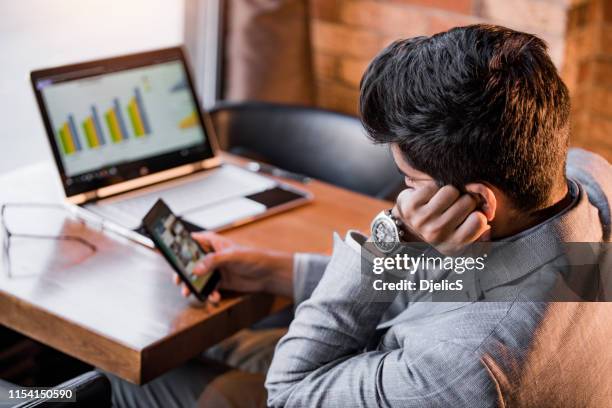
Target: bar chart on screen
(113, 118)
(115, 123)
(95, 133)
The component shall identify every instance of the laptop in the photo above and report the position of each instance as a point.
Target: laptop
(127, 131)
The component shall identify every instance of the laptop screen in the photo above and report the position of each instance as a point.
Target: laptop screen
(119, 119)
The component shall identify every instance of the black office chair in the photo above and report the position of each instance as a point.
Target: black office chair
(326, 145)
(92, 390)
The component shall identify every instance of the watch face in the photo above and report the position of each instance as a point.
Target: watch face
(385, 234)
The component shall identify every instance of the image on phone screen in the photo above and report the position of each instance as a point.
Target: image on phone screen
(175, 241)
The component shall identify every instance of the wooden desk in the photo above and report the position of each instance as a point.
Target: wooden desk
(119, 310)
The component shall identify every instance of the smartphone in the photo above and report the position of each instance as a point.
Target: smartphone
(174, 241)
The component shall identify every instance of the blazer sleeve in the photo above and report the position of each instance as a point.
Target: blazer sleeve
(307, 272)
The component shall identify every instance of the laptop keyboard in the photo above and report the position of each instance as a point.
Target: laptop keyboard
(213, 187)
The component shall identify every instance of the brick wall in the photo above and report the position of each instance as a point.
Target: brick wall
(588, 74)
(346, 34)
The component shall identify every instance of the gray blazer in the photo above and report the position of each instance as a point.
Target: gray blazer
(346, 348)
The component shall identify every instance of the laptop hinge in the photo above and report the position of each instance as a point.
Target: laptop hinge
(144, 181)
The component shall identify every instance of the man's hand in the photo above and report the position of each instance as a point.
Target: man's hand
(443, 217)
(243, 269)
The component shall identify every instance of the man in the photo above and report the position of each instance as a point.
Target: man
(477, 119)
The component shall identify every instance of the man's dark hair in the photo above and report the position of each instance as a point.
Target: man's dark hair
(479, 103)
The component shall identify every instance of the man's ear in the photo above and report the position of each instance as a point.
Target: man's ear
(487, 198)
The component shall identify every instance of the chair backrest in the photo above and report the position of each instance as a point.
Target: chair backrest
(326, 145)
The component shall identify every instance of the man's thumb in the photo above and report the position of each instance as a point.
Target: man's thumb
(212, 261)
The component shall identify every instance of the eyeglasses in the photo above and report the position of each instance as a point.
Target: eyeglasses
(7, 234)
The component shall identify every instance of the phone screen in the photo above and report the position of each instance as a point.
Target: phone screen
(173, 239)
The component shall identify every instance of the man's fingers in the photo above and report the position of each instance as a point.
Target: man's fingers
(204, 235)
(442, 200)
(456, 214)
(205, 239)
(214, 260)
(214, 297)
(411, 199)
(472, 228)
(177, 280)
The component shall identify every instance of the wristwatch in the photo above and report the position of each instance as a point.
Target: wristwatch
(386, 231)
